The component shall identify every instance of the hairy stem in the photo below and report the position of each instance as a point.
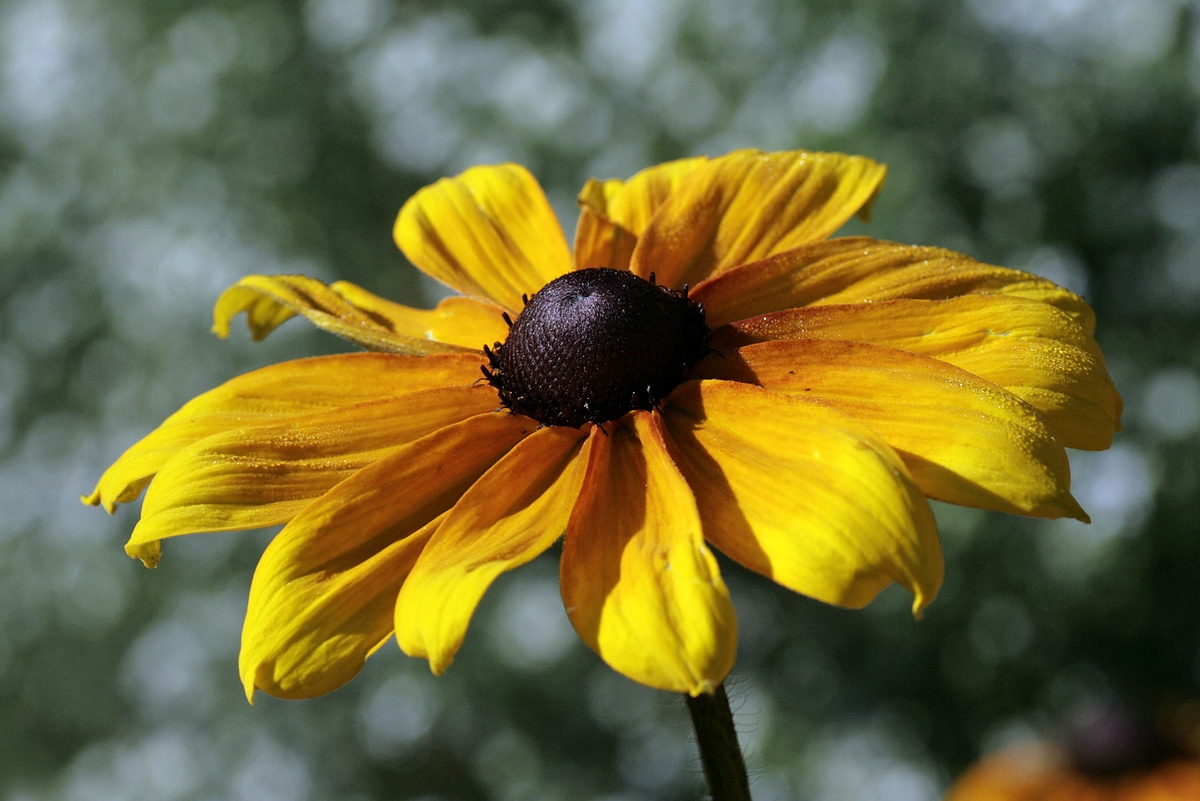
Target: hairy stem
(720, 754)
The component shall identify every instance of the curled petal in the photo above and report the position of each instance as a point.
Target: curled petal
(264, 475)
(965, 440)
(270, 300)
(324, 590)
(466, 322)
(278, 392)
(749, 205)
(803, 494)
(857, 269)
(640, 586)
(614, 213)
(510, 516)
(489, 233)
(1032, 349)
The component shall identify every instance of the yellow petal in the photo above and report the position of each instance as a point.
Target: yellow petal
(803, 494)
(270, 300)
(750, 205)
(489, 233)
(857, 269)
(640, 586)
(264, 475)
(965, 440)
(1032, 349)
(323, 592)
(457, 320)
(510, 516)
(278, 392)
(614, 213)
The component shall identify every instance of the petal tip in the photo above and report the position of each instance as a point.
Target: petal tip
(922, 599)
(94, 500)
(439, 664)
(1075, 511)
(148, 552)
(868, 206)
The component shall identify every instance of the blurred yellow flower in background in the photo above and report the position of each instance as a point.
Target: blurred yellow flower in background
(1042, 773)
(1110, 752)
(704, 368)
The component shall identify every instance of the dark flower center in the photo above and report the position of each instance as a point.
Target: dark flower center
(594, 344)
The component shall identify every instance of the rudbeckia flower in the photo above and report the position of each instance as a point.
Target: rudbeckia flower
(1039, 772)
(705, 369)
(1108, 755)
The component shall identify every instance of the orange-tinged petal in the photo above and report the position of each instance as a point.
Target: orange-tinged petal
(1026, 772)
(857, 269)
(270, 300)
(614, 213)
(965, 440)
(1175, 781)
(489, 233)
(280, 391)
(323, 592)
(510, 516)
(264, 475)
(466, 322)
(1032, 349)
(803, 494)
(639, 584)
(1036, 772)
(749, 205)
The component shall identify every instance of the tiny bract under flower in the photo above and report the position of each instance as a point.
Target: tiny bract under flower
(793, 401)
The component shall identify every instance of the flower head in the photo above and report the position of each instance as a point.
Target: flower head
(1109, 752)
(705, 369)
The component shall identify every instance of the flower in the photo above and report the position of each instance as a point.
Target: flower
(790, 399)
(1111, 753)
(1040, 772)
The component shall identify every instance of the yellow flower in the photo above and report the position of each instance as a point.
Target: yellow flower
(1108, 752)
(845, 382)
(1041, 772)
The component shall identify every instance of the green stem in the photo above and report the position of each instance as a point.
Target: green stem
(720, 754)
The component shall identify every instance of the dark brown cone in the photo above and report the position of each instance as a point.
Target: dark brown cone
(594, 344)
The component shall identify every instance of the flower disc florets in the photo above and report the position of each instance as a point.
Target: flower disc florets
(595, 344)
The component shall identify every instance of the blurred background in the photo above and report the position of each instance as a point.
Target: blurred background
(154, 151)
